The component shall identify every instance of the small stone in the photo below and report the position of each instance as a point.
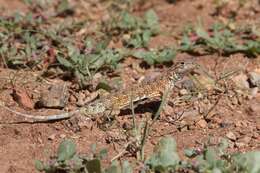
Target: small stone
(253, 92)
(183, 92)
(241, 81)
(62, 136)
(231, 136)
(254, 108)
(254, 78)
(81, 97)
(258, 126)
(56, 97)
(241, 123)
(239, 144)
(255, 135)
(213, 126)
(72, 99)
(202, 123)
(245, 140)
(51, 137)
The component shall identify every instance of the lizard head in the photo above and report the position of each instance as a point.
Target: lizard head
(179, 70)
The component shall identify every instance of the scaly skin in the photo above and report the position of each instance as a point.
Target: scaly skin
(114, 102)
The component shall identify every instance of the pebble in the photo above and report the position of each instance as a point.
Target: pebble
(52, 137)
(239, 144)
(245, 139)
(254, 78)
(254, 108)
(231, 136)
(72, 99)
(62, 136)
(55, 97)
(202, 123)
(258, 126)
(253, 92)
(241, 81)
(240, 123)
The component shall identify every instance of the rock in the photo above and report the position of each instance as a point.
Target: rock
(255, 135)
(254, 78)
(231, 136)
(62, 136)
(239, 144)
(241, 123)
(253, 92)
(72, 99)
(245, 139)
(258, 126)
(202, 123)
(52, 137)
(241, 81)
(21, 96)
(55, 97)
(80, 99)
(254, 108)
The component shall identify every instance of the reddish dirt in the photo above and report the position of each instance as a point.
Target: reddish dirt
(21, 144)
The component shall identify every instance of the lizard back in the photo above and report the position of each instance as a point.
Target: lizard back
(151, 89)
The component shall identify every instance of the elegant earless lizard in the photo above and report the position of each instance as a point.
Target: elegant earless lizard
(114, 102)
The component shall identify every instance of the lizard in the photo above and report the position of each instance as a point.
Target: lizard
(114, 102)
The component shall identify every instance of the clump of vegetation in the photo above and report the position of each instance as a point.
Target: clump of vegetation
(164, 159)
(220, 39)
(135, 31)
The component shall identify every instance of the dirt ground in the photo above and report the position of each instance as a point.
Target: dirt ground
(21, 144)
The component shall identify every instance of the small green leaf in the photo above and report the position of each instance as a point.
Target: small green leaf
(210, 156)
(190, 152)
(39, 165)
(63, 6)
(202, 33)
(151, 19)
(114, 168)
(248, 162)
(64, 62)
(147, 56)
(103, 153)
(165, 155)
(128, 21)
(93, 148)
(166, 55)
(146, 35)
(94, 166)
(126, 167)
(66, 150)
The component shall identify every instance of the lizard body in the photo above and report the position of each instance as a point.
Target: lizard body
(114, 102)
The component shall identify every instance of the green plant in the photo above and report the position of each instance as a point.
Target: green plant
(219, 39)
(67, 160)
(164, 159)
(136, 31)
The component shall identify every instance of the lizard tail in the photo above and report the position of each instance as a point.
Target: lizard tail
(38, 118)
